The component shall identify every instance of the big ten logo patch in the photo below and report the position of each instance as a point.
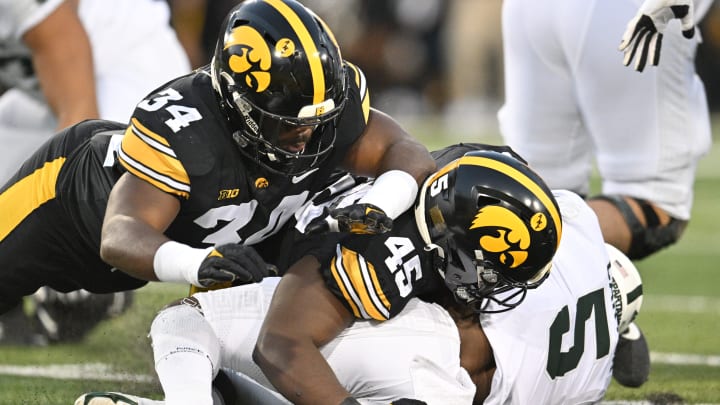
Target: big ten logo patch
(225, 194)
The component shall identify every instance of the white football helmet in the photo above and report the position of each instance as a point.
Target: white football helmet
(626, 286)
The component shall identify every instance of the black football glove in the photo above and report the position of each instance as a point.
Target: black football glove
(357, 218)
(642, 39)
(233, 264)
(362, 219)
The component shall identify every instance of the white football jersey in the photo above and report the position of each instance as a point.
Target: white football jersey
(414, 355)
(18, 16)
(134, 48)
(571, 105)
(557, 346)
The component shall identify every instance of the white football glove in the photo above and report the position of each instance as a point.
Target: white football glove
(644, 32)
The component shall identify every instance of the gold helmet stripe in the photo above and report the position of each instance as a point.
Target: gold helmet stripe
(307, 43)
(521, 178)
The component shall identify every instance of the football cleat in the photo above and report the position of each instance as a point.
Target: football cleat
(631, 365)
(16, 328)
(107, 398)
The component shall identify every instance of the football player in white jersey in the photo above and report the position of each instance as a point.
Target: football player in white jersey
(570, 103)
(48, 39)
(130, 50)
(570, 330)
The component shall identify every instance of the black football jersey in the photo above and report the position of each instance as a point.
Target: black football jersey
(375, 276)
(180, 141)
(53, 211)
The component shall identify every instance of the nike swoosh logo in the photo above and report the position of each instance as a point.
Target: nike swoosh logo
(298, 179)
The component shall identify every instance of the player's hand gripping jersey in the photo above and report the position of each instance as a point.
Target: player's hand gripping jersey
(180, 141)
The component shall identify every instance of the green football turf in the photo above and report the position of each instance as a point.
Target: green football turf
(681, 314)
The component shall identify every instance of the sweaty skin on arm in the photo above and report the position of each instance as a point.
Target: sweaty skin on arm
(62, 59)
(137, 214)
(476, 355)
(303, 316)
(385, 146)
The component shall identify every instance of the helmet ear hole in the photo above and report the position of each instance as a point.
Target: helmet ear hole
(484, 200)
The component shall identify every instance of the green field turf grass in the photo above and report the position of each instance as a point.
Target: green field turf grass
(681, 314)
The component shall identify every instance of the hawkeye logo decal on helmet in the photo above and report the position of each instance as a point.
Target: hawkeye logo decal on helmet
(504, 233)
(254, 60)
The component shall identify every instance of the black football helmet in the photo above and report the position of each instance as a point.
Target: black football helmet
(493, 225)
(277, 66)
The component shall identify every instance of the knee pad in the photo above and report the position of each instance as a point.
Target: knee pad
(645, 239)
(182, 328)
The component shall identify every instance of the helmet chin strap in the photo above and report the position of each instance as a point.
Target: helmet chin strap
(420, 216)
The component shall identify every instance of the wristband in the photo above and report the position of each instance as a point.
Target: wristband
(179, 263)
(393, 192)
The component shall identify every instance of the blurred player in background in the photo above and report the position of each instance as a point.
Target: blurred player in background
(63, 62)
(570, 101)
(44, 52)
(133, 49)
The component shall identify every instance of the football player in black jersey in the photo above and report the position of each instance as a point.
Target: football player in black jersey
(50, 228)
(220, 159)
(212, 163)
(485, 226)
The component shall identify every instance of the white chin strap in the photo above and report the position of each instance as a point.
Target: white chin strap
(420, 214)
(422, 224)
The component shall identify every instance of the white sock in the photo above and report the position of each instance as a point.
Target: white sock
(187, 355)
(182, 386)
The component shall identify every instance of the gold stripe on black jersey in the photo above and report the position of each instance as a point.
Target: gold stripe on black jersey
(361, 83)
(307, 43)
(341, 285)
(158, 141)
(361, 285)
(25, 196)
(148, 156)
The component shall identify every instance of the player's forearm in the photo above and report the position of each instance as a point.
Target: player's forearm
(303, 316)
(299, 372)
(130, 245)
